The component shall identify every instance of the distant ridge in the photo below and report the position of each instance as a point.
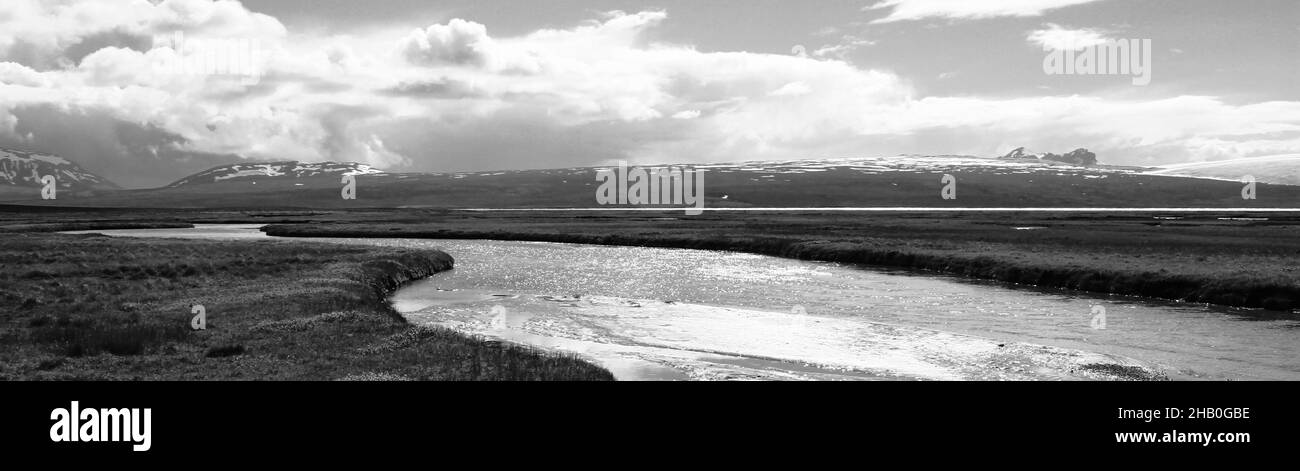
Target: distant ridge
(285, 170)
(906, 181)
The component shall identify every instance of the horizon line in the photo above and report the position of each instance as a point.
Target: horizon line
(900, 209)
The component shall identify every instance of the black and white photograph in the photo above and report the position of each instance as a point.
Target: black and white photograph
(361, 196)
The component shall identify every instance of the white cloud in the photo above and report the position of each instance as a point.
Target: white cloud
(54, 33)
(18, 74)
(454, 97)
(1056, 37)
(792, 89)
(847, 44)
(902, 10)
(457, 42)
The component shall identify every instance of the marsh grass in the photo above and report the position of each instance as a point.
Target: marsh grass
(88, 336)
(95, 307)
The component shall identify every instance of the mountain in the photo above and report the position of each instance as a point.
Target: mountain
(287, 170)
(1278, 169)
(22, 171)
(885, 181)
(1078, 156)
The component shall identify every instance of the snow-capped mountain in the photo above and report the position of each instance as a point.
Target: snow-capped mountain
(879, 181)
(288, 170)
(1025, 164)
(25, 169)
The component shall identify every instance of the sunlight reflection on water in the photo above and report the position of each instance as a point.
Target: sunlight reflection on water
(650, 313)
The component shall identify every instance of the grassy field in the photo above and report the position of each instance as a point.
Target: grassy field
(100, 308)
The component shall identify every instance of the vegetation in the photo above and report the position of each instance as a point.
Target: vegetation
(95, 307)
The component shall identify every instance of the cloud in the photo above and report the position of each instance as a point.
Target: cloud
(904, 10)
(792, 89)
(454, 97)
(47, 35)
(457, 42)
(1122, 131)
(847, 44)
(130, 154)
(1056, 37)
(17, 74)
(434, 88)
(90, 69)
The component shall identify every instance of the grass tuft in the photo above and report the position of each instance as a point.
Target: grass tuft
(224, 351)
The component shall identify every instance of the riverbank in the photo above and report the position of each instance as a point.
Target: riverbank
(1224, 261)
(100, 308)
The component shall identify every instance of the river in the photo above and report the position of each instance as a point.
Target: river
(654, 313)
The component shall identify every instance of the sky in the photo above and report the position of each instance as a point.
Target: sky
(488, 85)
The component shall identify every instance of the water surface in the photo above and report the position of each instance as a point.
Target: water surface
(653, 313)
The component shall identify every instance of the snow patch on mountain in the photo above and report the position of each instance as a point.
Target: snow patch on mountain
(275, 170)
(21, 168)
(896, 163)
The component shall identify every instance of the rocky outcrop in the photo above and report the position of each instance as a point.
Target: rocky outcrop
(1080, 156)
(1019, 153)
